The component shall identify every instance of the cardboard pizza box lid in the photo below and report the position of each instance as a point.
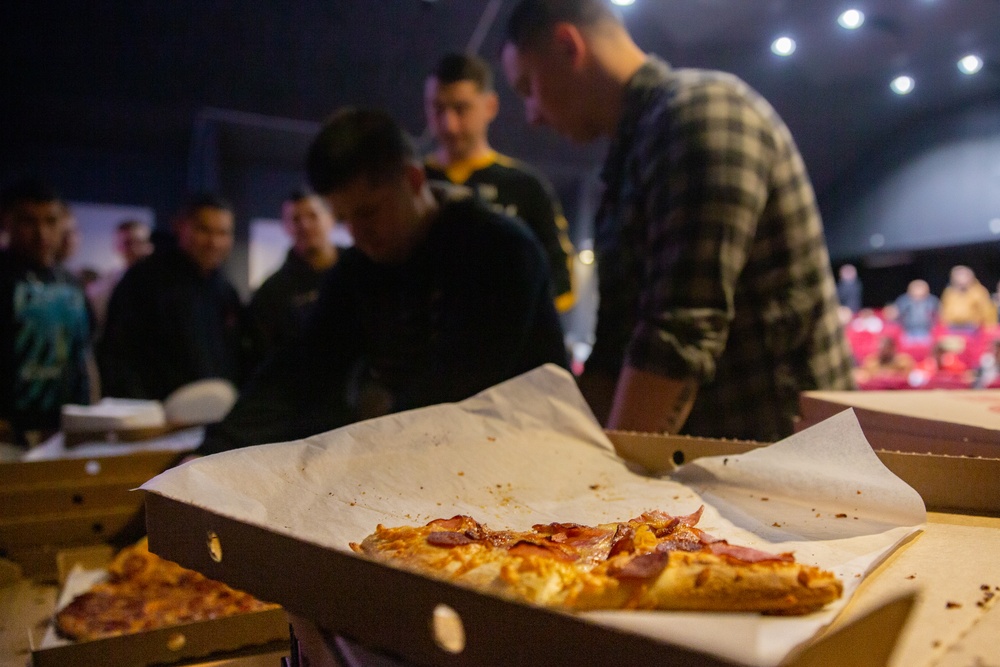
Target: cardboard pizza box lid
(947, 483)
(948, 422)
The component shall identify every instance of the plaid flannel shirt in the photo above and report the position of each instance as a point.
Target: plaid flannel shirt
(711, 256)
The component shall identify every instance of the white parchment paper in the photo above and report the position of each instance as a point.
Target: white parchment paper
(529, 451)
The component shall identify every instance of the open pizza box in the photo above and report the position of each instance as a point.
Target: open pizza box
(276, 520)
(255, 633)
(50, 506)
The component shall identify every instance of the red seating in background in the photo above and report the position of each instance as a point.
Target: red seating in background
(965, 349)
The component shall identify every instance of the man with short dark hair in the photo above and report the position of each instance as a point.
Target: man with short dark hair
(460, 103)
(44, 329)
(439, 298)
(174, 318)
(280, 306)
(718, 304)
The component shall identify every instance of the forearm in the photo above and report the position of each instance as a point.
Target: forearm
(650, 403)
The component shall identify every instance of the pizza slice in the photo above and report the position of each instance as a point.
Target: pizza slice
(654, 561)
(145, 592)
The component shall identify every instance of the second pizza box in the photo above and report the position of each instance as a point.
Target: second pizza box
(941, 421)
(49, 506)
(221, 638)
(262, 546)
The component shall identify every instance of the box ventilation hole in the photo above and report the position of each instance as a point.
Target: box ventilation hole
(449, 633)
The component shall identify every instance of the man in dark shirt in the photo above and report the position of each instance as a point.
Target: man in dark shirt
(460, 104)
(44, 327)
(439, 298)
(174, 318)
(281, 305)
(718, 304)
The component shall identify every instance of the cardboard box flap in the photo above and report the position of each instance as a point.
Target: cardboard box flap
(950, 422)
(931, 475)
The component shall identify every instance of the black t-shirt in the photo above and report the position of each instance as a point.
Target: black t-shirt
(469, 309)
(513, 188)
(282, 304)
(169, 325)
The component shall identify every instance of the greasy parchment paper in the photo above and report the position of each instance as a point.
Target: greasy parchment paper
(529, 451)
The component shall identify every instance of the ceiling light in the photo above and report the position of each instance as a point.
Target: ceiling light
(623, 3)
(586, 257)
(852, 19)
(783, 46)
(970, 64)
(902, 85)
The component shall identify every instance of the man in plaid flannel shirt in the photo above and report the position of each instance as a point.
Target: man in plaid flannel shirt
(718, 304)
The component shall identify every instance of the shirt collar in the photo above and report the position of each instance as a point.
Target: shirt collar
(639, 90)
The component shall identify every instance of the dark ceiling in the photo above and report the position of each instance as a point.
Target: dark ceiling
(134, 75)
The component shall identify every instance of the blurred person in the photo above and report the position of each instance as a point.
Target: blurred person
(281, 305)
(988, 371)
(718, 304)
(849, 288)
(131, 244)
(966, 304)
(916, 311)
(44, 329)
(439, 298)
(942, 367)
(174, 318)
(887, 365)
(70, 243)
(460, 103)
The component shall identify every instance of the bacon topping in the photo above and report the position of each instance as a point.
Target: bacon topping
(545, 549)
(441, 538)
(645, 566)
(456, 522)
(682, 543)
(746, 554)
(556, 528)
(623, 541)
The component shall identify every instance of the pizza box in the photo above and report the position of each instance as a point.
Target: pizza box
(918, 607)
(127, 420)
(939, 421)
(255, 633)
(425, 621)
(49, 506)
